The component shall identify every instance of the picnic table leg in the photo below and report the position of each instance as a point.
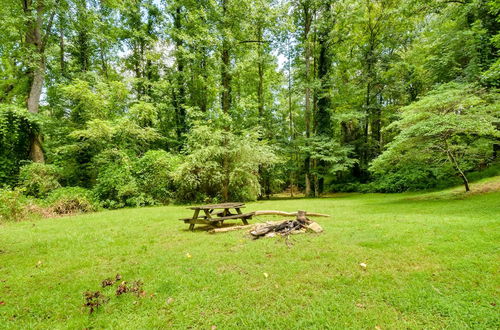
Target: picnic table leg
(195, 217)
(245, 222)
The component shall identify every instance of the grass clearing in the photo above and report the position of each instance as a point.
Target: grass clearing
(431, 263)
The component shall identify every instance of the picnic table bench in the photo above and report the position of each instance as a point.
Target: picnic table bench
(216, 218)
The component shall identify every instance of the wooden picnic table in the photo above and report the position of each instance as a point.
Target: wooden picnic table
(215, 218)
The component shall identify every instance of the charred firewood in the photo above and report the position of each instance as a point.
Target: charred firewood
(283, 228)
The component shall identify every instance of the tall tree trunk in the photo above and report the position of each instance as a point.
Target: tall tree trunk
(62, 61)
(225, 65)
(314, 162)
(179, 100)
(36, 42)
(203, 97)
(307, 55)
(225, 97)
(290, 115)
(322, 118)
(36, 150)
(265, 179)
(225, 79)
(260, 69)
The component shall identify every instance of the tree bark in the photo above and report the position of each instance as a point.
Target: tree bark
(290, 114)
(62, 61)
(307, 58)
(225, 67)
(36, 42)
(454, 162)
(179, 96)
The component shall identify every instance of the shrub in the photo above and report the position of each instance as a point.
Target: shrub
(70, 200)
(115, 184)
(12, 205)
(153, 173)
(37, 179)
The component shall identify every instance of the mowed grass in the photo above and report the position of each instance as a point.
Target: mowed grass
(431, 263)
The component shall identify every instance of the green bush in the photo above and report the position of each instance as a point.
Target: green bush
(70, 200)
(115, 184)
(37, 179)
(153, 173)
(12, 205)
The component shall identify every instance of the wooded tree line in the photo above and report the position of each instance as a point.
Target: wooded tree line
(146, 101)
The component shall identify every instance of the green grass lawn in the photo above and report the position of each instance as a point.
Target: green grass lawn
(432, 262)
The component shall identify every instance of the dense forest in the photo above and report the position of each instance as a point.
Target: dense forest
(144, 102)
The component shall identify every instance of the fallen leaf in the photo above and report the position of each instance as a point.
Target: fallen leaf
(170, 300)
(213, 327)
(266, 275)
(360, 305)
(107, 282)
(39, 263)
(122, 288)
(188, 255)
(2, 303)
(378, 328)
(362, 265)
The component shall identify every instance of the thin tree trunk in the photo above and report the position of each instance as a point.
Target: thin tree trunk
(307, 51)
(62, 61)
(225, 67)
(225, 79)
(179, 101)
(290, 114)
(260, 68)
(454, 162)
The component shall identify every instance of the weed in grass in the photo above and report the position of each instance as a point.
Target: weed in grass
(107, 282)
(94, 299)
(136, 289)
(122, 288)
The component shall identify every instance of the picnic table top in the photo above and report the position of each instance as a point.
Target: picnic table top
(217, 206)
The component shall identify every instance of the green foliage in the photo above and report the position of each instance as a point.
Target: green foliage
(95, 99)
(115, 184)
(12, 205)
(71, 200)
(16, 129)
(449, 131)
(221, 165)
(320, 81)
(37, 179)
(154, 175)
(334, 157)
